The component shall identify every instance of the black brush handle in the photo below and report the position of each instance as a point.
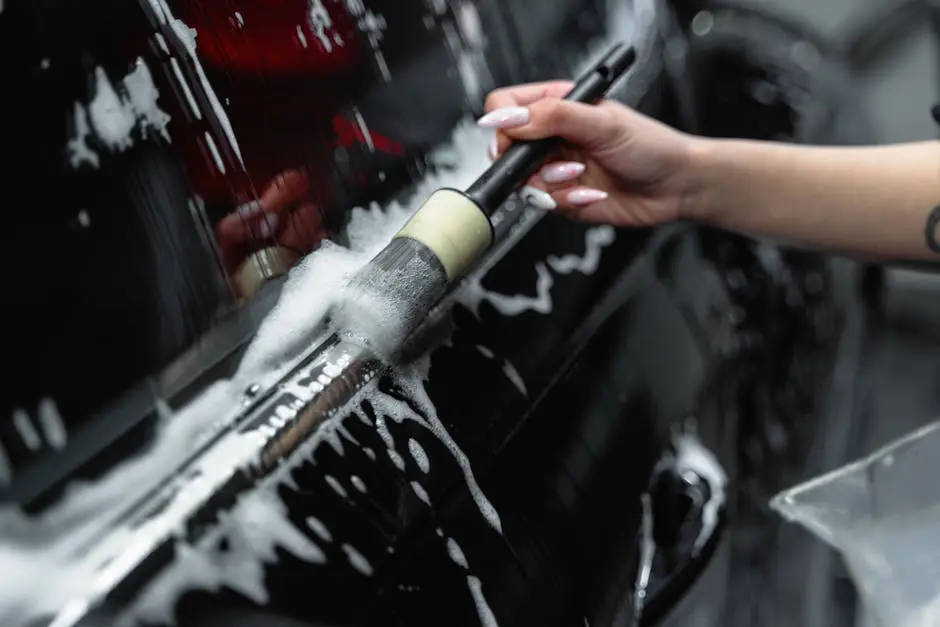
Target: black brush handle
(522, 159)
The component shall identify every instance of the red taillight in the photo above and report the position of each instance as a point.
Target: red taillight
(275, 37)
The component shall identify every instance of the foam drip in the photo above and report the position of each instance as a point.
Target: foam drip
(253, 530)
(420, 457)
(692, 455)
(359, 484)
(337, 487)
(411, 379)
(456, 554)
(43, 551)
(595, 240)
(357, 560)
(508, 369)
(487, 618)
(319, 528)
(421, 493)
(473, 294)
(474, 585)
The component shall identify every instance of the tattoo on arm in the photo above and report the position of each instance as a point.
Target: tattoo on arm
(930, 230)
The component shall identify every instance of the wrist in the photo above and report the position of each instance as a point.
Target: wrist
(703, 166)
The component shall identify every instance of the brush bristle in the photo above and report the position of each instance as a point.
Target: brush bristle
(389, 297)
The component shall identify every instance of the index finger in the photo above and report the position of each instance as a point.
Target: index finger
(526, 94)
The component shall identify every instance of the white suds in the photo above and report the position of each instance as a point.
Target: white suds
(143, 97)
(333, 483)
(51, 423)
(474, 294)
(43, 550)
(420, 457)
(514, 377)
(115, 112)
(357, 561)
(319, 528)
(397, 460)
(508, 369)
(412, 380)
(487, 619)
(253, 529)
(26, 429)
(320, 22)
(421, 493)
(111, 117)
(77, 147)
(456, 554)
(359, 484)
(691, 455)
(596, 239)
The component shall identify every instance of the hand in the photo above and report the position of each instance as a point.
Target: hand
(284, 215)
(617, 167)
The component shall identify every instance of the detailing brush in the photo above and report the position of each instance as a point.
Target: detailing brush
(390, 296)
(384, 303)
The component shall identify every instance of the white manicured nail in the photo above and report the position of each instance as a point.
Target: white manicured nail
(586, 196)
(507, 117)
(562, 172)
(537, 198)
(493, 149)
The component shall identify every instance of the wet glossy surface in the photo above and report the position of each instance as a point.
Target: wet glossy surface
(564, 382)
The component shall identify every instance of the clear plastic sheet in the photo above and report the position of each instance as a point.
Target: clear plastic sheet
(883, 514)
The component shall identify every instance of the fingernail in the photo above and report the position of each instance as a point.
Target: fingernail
(561, 172)
(586, 196)
(505, 118)
(268, 225)
(537, 198)
(493, 149)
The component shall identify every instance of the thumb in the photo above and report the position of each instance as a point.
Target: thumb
(588, 126)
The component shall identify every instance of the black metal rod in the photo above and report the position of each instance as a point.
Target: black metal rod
(522, 159)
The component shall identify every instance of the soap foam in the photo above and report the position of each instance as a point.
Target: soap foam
(319, 528)
(253, 529)
(487, 618)
(421, 493)
(456, 554)
(412, 380)
(692, 455)
(42, 550)
(357, 560)
(473, 294)
(359, 484)
(420, 457)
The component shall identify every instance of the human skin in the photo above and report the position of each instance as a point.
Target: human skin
(620, 167)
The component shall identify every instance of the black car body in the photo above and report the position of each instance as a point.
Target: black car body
(573, 370)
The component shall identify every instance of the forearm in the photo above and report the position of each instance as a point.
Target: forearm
(874, 201)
